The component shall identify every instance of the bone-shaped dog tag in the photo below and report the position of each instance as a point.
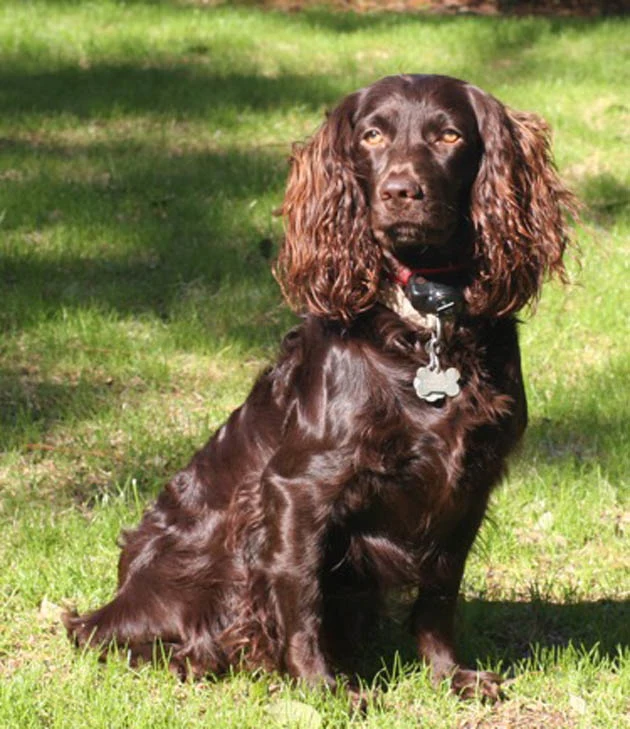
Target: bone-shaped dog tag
(434, 384)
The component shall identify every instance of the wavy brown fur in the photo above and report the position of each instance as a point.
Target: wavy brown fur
(335, 482)
(329, 264)
(518, 208)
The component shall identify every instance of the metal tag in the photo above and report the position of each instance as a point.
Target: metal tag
(434, 384)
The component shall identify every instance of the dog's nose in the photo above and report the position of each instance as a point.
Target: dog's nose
(400, 187)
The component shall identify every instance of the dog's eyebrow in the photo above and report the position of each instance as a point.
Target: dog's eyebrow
(443, 117)
(377, 120)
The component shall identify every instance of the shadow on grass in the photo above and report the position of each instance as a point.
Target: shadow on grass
(517, 631)
(33, 407)
(184, 240)
(30, 406)
(518, 636)
(606, 197)
(182, 90)
(585, 439)
(511, 33)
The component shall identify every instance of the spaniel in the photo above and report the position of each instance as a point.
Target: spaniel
(420, 218)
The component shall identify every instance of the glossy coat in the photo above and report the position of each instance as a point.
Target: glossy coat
(335, 482)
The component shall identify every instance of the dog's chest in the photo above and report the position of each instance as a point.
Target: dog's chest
(415, 481)
(407, 423)
(422, 452)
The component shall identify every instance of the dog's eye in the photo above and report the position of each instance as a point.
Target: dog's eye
(373, 137)
(450, 136)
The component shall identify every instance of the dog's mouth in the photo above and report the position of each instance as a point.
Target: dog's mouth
(423, 247)
(413, 237)
(408, 234)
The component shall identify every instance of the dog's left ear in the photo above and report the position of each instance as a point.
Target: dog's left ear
(518, 209)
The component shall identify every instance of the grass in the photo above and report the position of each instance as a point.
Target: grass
(143, 149)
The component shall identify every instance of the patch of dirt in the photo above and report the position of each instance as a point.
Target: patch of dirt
(576, 8)
(517, 715)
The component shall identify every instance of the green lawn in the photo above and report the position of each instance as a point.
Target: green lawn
(143, 149)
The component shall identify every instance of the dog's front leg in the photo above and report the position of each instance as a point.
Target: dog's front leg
(297, 494)
(433, 614)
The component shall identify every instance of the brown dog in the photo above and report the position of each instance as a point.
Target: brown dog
(419, 219)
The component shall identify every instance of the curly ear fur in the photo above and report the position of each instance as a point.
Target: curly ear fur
(518, 207)
(329, 264)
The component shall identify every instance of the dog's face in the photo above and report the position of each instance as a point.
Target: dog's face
(434, 171)
(417, 151)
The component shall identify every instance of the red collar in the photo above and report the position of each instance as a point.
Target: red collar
(402, 274)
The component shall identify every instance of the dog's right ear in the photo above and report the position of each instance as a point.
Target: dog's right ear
(329, 264)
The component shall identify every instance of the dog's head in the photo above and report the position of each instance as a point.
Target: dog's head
(430, 171)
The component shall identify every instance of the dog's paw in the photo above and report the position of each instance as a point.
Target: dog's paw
(76, 628)
(469, 684)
